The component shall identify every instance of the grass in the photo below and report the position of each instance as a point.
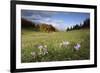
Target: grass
(31, 39)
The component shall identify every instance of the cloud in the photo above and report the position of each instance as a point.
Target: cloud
(42, 17)
(34, 15)
(37, 12)
(47, 19)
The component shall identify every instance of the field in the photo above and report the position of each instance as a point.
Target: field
(55, 51)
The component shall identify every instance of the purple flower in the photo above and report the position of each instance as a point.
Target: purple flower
(77, 46)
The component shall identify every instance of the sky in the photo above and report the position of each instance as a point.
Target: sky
(60, 20)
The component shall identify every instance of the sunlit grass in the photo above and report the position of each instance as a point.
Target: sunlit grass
(31, 39)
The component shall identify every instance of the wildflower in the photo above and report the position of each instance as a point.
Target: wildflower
(43, 49)
(77, 47)
(45, 46)
(33, 54)
(40, 46)
(64, 44)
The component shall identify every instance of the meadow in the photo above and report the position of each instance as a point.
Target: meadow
(32, 42)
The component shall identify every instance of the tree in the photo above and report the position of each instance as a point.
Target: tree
(27, 24)
(76, 26)
(47, 28)
(86, 23)
(67, 29)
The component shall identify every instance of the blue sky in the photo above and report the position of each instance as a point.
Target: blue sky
(60, 20)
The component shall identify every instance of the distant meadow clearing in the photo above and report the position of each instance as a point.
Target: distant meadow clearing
(54, 36)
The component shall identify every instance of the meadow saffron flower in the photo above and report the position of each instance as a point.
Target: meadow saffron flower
(64, 44)
(45, 46)
(40, 49)
(40, 46)
(33, 54)
(77, 46)
(43, 49)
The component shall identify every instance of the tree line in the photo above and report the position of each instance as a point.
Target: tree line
(86, 24)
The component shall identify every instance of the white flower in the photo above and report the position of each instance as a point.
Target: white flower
(64, 44)
(43, 50)
(40, 46)
(45, 46)
(77, 46)
(33, 54)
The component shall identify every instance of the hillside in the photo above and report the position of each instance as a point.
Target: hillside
(25, 24)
